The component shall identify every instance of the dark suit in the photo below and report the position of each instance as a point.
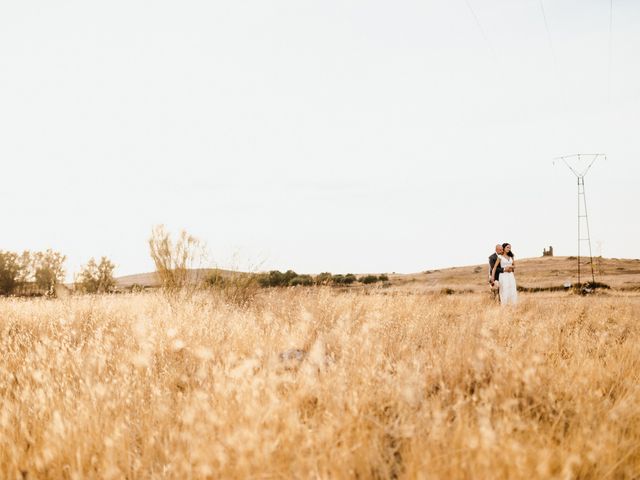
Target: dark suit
(492, 261)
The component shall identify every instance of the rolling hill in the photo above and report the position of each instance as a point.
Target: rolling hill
(542, 272)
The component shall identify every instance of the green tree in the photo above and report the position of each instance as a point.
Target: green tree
(97, 277)
(49, 269)
(9, 272)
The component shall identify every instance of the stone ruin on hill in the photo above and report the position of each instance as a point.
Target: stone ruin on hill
(547, 252)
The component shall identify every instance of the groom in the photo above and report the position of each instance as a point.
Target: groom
(495, 285)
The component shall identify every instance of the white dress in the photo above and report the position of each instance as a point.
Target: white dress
(507, 280)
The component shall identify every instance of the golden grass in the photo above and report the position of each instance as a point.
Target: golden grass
(391, 386)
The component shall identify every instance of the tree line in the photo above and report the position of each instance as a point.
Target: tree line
(39, 273)
(177, 259)
(276, 278)
(178, 265)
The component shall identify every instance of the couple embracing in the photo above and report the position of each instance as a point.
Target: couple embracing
(502, 264)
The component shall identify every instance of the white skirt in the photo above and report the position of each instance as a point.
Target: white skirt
(508, 290)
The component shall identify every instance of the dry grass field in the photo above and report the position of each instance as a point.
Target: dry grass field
(318, 383)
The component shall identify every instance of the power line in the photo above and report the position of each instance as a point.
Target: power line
(610, 50)
(546, 27)
(482, 32)
(554, 57)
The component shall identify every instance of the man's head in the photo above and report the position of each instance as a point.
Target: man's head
(499, 249)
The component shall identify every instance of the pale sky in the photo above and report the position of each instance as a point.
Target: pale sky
(342, 136)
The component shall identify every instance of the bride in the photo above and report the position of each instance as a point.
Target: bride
(508, 291)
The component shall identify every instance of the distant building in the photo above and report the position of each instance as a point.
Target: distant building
(547, 252)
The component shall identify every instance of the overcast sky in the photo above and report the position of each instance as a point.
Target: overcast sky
(343, 136)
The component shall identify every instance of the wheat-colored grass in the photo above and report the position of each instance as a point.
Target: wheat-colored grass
(391, 386)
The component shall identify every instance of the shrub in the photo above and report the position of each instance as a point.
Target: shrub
(340, 279)
(589, 287)
(323, 278)
(215, 279)
(176, 262)
(368, 279)
(301, 280)
(136, 288)
(383, 278)
(236, 288)
(288, 276)
(276, 278)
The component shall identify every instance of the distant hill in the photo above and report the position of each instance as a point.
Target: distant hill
(542, 272)
(151, 279)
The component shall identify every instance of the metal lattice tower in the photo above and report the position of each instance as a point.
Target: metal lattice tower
(579, 164)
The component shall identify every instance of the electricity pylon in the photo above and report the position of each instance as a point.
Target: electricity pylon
(579, 164)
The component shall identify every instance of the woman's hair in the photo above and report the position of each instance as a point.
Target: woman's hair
(504, 245)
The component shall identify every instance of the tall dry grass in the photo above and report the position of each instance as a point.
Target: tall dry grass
(404, 386)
